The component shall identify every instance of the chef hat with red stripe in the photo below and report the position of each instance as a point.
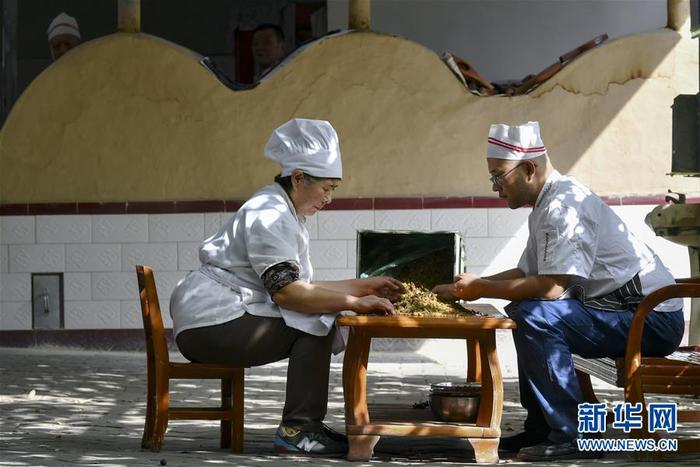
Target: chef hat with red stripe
(516, 143)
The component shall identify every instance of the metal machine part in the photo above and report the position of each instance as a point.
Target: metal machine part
(680, 223)
(685, 159)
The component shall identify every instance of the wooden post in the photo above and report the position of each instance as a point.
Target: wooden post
(129, 16)
(359, 14)
(8, 57)
(678, 13)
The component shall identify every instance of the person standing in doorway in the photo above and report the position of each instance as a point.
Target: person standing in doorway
(268, 48)
(63, 35)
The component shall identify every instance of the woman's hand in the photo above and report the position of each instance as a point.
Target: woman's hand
(386, 287)
(371, 304)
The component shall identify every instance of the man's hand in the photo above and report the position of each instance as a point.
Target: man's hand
(445, 292)
(386, 287)
(464, 288)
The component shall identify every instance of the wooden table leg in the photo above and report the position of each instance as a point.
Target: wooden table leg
(473, 361)
(491, 404)
(361, 447)
(485, 450)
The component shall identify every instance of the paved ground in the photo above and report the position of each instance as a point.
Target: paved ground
(66, 407)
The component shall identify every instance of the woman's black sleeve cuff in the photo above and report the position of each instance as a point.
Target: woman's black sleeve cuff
(280, 275)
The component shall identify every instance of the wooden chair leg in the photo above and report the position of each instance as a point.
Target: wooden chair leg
(149, 424)
(161, 414)
(584, 381)
(226, 403)
(634, 395)
(238, 411)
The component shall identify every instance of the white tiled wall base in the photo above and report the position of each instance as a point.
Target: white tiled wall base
(15, 315)
(4, 254)
(97, 253)
(95, 314)
(77, 286)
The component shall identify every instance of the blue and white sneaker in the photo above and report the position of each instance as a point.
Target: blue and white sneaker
(290, 440)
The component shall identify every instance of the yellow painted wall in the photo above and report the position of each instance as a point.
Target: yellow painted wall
(131, 117)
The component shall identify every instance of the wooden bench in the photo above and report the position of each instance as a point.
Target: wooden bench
(678, 373)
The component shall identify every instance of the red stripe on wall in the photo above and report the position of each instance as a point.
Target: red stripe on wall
(448, 202)
(340, 204)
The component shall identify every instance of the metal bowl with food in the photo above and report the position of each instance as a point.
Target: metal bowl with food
(452, 402)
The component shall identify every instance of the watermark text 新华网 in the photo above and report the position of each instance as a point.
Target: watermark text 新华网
(662, 417)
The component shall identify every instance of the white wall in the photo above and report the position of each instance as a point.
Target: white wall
(97, 253)
(506, 39)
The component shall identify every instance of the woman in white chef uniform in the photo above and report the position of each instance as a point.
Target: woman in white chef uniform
(253, 301)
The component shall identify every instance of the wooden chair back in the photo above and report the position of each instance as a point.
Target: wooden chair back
(675, 374)
(156, 342)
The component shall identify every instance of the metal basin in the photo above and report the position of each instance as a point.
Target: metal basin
(455, 403)
(678, 223)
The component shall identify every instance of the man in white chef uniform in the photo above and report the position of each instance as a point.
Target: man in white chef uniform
(575, 289)
(253, 301)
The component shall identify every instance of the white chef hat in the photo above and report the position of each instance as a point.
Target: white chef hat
(308, 145)
(518, 142)
(63, 24)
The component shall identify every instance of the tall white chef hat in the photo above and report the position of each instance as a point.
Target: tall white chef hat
(308, 145)
(518, 142)
(63, 24)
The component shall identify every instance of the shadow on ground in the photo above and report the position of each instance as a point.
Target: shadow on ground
(85, 408)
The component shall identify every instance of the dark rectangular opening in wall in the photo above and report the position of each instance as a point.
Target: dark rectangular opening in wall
(47, 300)
(425, 258)
(685, 156)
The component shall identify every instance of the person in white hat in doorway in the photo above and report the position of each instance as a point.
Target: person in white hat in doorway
(574, 290)
(63, 34)
(253, 300)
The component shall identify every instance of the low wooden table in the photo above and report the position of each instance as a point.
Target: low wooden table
(479, 332)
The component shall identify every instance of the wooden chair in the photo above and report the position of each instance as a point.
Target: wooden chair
(161, 370)
(678, 373)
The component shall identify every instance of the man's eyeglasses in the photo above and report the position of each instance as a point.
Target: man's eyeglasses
(499, 179)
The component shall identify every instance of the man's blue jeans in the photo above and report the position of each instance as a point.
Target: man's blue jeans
(549, 331)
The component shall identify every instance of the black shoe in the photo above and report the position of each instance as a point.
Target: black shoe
(334, 435)
(549, 451)
(522, 440)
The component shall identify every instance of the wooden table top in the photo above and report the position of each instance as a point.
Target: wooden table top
(494, 320)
